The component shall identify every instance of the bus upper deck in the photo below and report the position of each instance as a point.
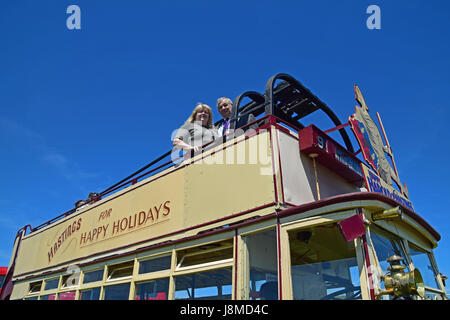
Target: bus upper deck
(274, 210)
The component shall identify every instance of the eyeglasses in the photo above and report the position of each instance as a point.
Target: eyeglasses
(225, 104)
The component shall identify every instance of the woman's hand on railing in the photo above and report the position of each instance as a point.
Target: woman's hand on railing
(180, 144)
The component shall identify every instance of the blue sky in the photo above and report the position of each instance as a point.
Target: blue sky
(82, 109)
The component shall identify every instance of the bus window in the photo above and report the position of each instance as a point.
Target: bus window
(120, 271)
(386, 245)
(48, 297)
(3, 271)
(51, 284)
(90, 294)
(323, 265)
(206, 254)
(93, 276)
(213, 284)
(35, 287)
(152, 290)
(422, 262)
(262, 262)
(70, 280)
(69, 295)
(155, 264)
(117, 292)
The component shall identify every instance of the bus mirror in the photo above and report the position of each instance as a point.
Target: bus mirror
(399, 283)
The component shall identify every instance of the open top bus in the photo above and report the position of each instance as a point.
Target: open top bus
(274, 210)
(3, 271)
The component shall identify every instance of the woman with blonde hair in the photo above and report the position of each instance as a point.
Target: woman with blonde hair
(197, 131)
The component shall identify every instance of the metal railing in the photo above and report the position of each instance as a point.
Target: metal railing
(285, 103)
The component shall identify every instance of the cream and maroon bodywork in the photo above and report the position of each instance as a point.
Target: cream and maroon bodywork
(294, 183)
(256, 178)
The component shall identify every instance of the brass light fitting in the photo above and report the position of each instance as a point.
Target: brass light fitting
(399, 283)
(387, 214)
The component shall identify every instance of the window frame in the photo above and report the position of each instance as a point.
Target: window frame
(209, 266)
(312, 220)
(116, 267)
(34, 294)
(430, 256)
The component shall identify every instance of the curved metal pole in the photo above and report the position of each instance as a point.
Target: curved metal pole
(269, 107)
(255, 96)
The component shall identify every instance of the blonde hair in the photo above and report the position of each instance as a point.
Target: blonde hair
(201, 107)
